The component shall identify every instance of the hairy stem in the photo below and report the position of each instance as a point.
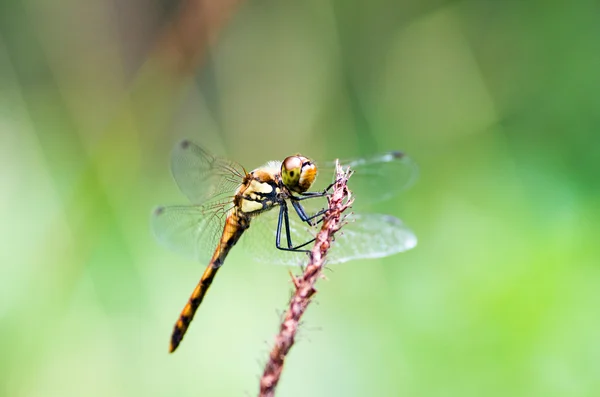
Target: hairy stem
(304, 285)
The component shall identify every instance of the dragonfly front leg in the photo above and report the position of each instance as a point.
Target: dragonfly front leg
(308, 195)
(304, 216)
(300, 209)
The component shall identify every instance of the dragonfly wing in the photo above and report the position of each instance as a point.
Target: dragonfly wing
(203, 177)
(370, 236)
(363, 236)
(375, 178)
(193, 231)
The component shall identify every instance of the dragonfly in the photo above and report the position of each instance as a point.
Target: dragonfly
(226, 200)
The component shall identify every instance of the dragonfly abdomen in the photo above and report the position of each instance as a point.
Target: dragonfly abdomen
(187, 314)
(235, 224)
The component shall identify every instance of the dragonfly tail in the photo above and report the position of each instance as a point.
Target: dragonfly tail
(187, 314)
(235, 225)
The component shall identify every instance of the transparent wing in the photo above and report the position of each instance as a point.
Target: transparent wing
(193, 231)
(364, 236)
(371, 236)
(375, 178)
(203, 177)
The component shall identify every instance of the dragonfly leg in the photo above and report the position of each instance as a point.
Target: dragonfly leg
(307, 195)
(304, 217)
(300, 209)
(287, 229)
(284, 218)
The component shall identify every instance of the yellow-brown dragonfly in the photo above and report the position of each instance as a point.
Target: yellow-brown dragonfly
(227, 199)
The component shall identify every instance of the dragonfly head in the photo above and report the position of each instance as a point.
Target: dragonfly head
(298, 173)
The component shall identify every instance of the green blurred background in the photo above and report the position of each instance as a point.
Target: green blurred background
(497, 101)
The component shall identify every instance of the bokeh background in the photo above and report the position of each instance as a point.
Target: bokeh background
(497, 101)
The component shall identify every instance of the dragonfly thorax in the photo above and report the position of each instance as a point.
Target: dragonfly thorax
(258, 192)
(298, 173)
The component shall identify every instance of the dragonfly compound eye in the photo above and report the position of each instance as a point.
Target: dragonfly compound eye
(298, 173)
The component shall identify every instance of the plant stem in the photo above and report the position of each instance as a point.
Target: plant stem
(304, 285)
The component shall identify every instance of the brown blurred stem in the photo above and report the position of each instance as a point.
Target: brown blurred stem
(304, 285)
(185, 42)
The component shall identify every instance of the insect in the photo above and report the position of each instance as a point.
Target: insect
(227, 200)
